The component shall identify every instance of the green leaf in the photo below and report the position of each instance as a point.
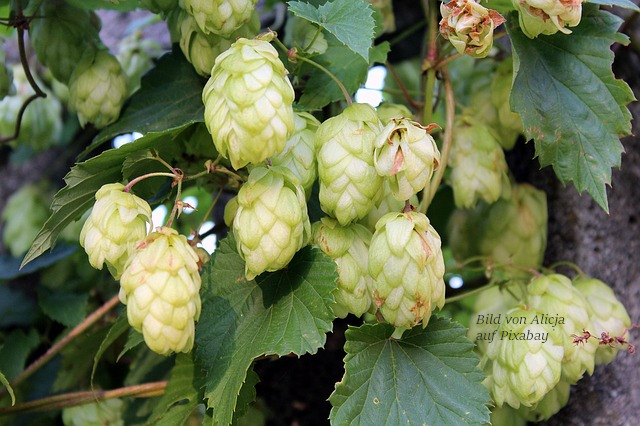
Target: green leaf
(170, 97)
(181, 395)
(6, 384)
(10, 266)
(68, 309)
(283, 312)
(134, 338)
(570, 102)
(117, 329)
(351, 22)
(120, 5)
(83, 181)
(247, 395)
(626, 4)
(430, 376)
(16, 308)
(14, 352)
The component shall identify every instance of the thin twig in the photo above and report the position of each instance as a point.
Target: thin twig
(401, 85)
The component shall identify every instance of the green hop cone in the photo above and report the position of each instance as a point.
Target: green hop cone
(406, 155)
(61, 35)
(23, 215)
(136, 56)
(506, 416)
(248, 103)
(159, 6)
(549, 405)
(507, 125)
(478, 167)
(555, 296)
(160, 286)
(469, 26)
(108, 412)
(607, 314)
(230, 210)
(349, 184)
(522, 369)
(348, 246)
(6, 77)
(271, 223)
(299, 154)
(202, 49)
(118, 220)
(386, 204)
(547, 16)
(98, 89)
(407, 269)
(220, 17)
(387, 111)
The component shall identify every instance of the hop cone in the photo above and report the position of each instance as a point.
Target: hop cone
(202, 49)
(299, 154)
(549, 405)
(406, 155)
(159, 6)
(136, 56)
(491, 301)
(387, 111)
(98, 89)
(606, 312)
(160, 286)
(469, 26)
(349, 183)
(348, 246)
(386, 204)
(555, 295)
(6, 77)
(247, 103)
(61, 35)
(506, 416)
(479, 169)
(108, 412)
(220, 17)
(230, 210)
(407, 269)
(271, 223)
(23, 215)
(508, 124)
(547, 16)
(522, 372)
(118, 220)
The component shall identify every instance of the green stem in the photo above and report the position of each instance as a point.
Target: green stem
(174, 210)
(313, 40)
(346, 95)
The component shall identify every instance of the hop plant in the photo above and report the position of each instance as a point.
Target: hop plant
(160, 286)
(271, 223)
(118, 220)
(549, 405)
(136, 56)
(606, 312)
(523, 371)
(23, 215)
(299, 154)
(98, 89)
(386, 204)
(101, 413)
(547, 16)
(469, 26)
(478, 166)
(508, 124)
(406, 155)
(159, 6)
(349, 183)
(61, 35)
(348, 246)
(221, 17)
(407, 269)
(494, 301)
(202, 49)
(248, 103)
(387, 111)
(555, 295)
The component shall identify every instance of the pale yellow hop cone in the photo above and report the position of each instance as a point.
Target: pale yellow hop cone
(248, 103)
(220, 17)
(552, 402)
(407, 269)
(117, 221)
(547, 16)
(387, 111)
(271, 223)
(160, 286)
(386, 204)
(406, 155)
(348, 246)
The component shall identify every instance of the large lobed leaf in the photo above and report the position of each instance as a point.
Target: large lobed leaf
(570, 102)
(429, 377)
(283, 312)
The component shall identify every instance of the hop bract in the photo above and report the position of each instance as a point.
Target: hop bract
(118, 220)
(386, 204)
(348, 246)
(508, 124)
(407, 269)
(606, 312)
(271, 223)
(299, 154)
(387, 111)
(549, 405)
(98, 89)
(547, 16)
(220, 17)
(160, 286)
(136, 56)
(406, 154)
(523, 371)
(247, 103)
(555, 295)
(349, 183)
(469, 26)
(479, 169)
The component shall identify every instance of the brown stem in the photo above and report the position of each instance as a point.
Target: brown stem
(401, 85)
